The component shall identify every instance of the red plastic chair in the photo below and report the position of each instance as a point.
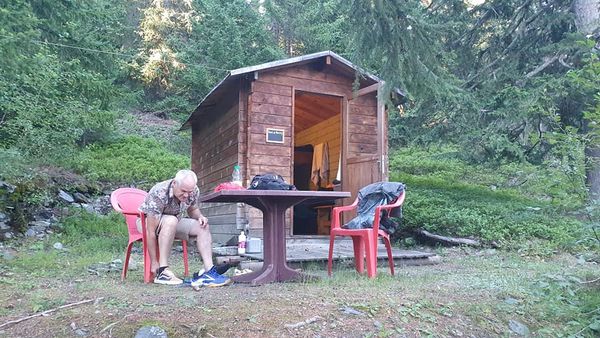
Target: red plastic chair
(365, 241)
(127, 201)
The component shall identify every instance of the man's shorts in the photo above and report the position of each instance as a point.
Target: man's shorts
(182, 231)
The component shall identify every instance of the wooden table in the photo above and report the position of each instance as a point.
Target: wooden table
(273, 204)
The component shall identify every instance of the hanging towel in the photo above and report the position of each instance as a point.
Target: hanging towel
(320, 165)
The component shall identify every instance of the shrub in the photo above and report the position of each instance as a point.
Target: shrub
(451, 197)
(130, 159)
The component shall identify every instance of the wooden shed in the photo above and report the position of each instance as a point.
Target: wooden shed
(314, 119)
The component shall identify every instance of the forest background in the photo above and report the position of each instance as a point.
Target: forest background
(498, 138)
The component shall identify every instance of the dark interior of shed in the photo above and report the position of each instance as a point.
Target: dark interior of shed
(317, 125)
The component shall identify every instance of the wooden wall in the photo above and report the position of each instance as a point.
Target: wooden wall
(214, 153)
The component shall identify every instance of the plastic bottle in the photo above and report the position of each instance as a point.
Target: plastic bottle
(242, 243)
(236, 177)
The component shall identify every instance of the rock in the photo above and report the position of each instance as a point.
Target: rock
(65, 196)
(151, 332)
(8, 253)
(518, 328)
(58, 246)
(3, 217)
(88, 208)
(42, 225)
(7, 186)
(4, 227)
(351, 311)
(30, 233)
(81, 198)
(8, 235)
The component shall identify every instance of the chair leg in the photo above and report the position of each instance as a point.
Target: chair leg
(359, 253)
(330, 259)
(371, 252)
(388, 247)
(185, 258)
(126, 264)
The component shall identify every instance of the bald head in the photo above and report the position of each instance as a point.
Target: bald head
(185, 183)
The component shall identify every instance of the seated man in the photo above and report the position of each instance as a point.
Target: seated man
(164, 207)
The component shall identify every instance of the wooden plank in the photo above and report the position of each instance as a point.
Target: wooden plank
(305, 72)
(271, 88)
(269, 149)
(310, 85)
(258, 97)
(364, 138)
(271, 109)
(271, 160)
(357, 148)
(272, 120)
(366, 90)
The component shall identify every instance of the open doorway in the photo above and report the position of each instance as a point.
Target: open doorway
(317, 156)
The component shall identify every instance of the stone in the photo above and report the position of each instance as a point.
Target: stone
(7, 186)
(8, 254)
(65, 196)
(58, 246)
(4, 227)
(151, 332)
(3, 217)
(30, 233)
(518, 328)
(81, 198)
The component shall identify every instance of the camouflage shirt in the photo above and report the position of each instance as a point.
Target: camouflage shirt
(161, 201)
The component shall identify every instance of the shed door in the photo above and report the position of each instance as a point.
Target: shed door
(364, 143)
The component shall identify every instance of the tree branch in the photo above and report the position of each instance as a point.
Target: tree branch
(543, 66)
(45, 313)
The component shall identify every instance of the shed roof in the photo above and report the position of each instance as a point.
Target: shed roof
(230, 79)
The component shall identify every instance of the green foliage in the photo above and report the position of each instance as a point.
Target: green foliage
(83, 232)
(508, 204)
(568, 299)
(131, 159)
(54, 96)
(309, 26)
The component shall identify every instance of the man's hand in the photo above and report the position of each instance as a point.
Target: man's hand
(203, 221)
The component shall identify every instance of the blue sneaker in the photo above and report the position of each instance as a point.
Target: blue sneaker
(210, 278)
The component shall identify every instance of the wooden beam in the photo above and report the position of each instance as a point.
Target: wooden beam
(367, 90)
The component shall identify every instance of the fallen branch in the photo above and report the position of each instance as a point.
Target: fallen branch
(109, 326)
(451, 241)
(306, 322)
(45, 313)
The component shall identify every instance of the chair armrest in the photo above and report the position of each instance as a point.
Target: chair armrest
(378, 210)
(337, 211)
(399, 201)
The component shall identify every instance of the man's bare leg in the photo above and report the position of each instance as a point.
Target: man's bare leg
(166, 236)
(204, 244)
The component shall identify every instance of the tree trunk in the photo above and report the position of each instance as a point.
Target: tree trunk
(587, 20)
(592, 155)
(587, 15)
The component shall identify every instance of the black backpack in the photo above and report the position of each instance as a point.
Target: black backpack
(270, 181)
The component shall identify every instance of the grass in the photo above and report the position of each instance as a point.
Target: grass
(470, 292)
